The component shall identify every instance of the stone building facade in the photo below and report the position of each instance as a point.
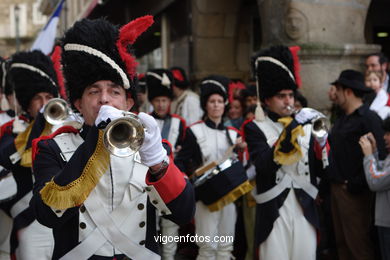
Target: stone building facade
(220, 36)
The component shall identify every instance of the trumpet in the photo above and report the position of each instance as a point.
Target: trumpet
(57, 111)
(320, 123)
(124, 136)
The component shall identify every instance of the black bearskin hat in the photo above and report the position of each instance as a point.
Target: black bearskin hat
(159, 83)
(274, 71)
(94, 50)
(30, 73)
(181, 80)
(214, 84)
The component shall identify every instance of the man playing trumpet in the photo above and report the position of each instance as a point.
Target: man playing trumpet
(34, 81)
(287, 158)
(101, 206)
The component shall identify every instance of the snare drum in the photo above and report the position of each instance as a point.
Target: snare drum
(222, 185)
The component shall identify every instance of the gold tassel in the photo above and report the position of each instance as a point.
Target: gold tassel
(296, 153)
(21, 139)
(232, 196)
(76, 192)
(26, 160)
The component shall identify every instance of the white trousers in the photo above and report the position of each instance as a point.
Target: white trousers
(292, 236)
(35, 242)
(217, 227)
(168, 228)
(5, 232)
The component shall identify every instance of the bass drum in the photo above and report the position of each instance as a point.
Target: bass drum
(226, 184)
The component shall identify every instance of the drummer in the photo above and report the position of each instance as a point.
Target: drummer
(207, 141)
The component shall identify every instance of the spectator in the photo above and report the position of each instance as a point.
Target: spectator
(379, 62)
(351, 199)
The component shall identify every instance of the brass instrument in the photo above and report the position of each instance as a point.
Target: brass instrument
(56, 111)
(124, 136)
(321, 124)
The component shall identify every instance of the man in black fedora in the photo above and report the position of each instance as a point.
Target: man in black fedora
(351, 198)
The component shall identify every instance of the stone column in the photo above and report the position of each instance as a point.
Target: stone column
(214, 25)
(331, 36)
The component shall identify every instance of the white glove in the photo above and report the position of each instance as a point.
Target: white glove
(108, 112)
(152, 151)
(305, 115)
(322, 140)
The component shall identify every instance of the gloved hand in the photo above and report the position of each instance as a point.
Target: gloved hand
(105, 113)
(152, 151)
(322, 140)
(305, 115)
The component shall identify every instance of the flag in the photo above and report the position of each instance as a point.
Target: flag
(46, 37)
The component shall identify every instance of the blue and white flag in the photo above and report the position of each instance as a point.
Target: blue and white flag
(46, 37)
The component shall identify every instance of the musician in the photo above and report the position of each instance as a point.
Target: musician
(34, 82)
(159, 83)
(287, 159)
(5, 176)
(101, 206)
(185, 102)
(207, 141)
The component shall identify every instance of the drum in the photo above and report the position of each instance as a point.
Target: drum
(222, 184)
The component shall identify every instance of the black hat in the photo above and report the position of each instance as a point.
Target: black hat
(274, 71)
(96, 50)
(181, 80)
(30, 73)
(352, 79)
(141, 83)
(214, 84)
(159, 83)
(249, 91)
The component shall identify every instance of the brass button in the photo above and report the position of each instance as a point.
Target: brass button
(83, 225)
(142, 224)
(154, 201)
(141, 206)
(142, 242)
(82, 209)
(148, 189)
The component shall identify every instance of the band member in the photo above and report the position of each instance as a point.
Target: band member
(159, 83)
(34, 81)
(185, 102)
(287, 159)
(207, 141)
(99, 205)
(5, 179)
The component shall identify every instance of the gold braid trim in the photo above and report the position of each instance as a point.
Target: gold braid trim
(231, 196)
(26, 160)
(295, 154)
(249, 197)
(76, 192)
(21, 139)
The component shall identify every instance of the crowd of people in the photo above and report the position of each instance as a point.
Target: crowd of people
(222, 158)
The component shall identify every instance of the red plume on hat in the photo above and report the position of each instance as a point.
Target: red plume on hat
(297, 66)
(127, 35)
(56, 59)
(233, 87)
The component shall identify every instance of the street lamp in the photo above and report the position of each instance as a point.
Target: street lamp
(17, 37)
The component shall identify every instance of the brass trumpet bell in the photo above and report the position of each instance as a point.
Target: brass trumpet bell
(124, 136)
(56, 111)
